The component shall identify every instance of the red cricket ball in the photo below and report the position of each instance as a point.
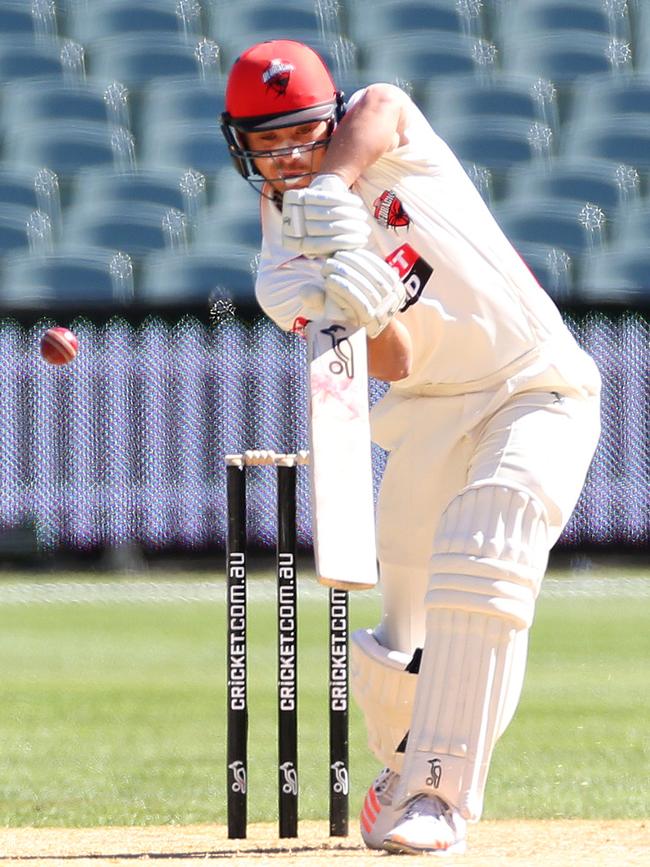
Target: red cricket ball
(59, 345)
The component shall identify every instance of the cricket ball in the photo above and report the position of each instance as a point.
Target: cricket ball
(59, 345)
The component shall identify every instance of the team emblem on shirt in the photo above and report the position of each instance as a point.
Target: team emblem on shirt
(389, 211)
(276, 76)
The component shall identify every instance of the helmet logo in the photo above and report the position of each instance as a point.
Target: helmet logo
(276, 76)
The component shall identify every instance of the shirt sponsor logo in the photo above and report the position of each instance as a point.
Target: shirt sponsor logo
(414, 271)
(389, 211)
(276, 76)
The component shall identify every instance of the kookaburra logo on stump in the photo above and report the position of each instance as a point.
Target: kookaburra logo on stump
(276, 75)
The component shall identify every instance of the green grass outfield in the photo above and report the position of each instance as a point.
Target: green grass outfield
(113, 712)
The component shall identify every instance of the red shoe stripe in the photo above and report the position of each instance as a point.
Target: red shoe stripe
(369, 813)
(372, 797)
(369, 809)
(367, 826)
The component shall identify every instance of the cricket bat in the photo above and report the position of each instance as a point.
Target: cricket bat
(343, 517)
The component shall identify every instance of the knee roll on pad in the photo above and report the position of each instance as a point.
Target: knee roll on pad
(490, 553)
(384, 691)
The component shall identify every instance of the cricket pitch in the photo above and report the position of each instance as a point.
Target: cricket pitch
(490, 844)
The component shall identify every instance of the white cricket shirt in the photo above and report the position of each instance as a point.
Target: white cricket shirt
(477, 317)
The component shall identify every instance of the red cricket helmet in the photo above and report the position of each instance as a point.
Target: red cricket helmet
(276, 84)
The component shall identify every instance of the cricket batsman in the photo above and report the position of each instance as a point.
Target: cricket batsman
(490, 421)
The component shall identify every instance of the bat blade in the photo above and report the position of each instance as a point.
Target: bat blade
(340, 456)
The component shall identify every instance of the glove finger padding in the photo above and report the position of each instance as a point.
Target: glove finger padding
(379, 272)
(340, 292)
(330, 199)
(319, 221)
(318, 247)
(343, 273)
(361, 281)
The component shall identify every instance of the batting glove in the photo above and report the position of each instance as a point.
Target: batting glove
(364, 287)
(323, 218)
(315, 305)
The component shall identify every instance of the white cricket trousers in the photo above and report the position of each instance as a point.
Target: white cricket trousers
(542, 440)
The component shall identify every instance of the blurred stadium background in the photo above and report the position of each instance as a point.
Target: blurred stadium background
(121, 217)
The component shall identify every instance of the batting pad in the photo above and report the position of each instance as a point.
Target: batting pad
(384, 691)
(489, 558)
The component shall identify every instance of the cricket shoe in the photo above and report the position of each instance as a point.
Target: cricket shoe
(427, 826)
(378, 815)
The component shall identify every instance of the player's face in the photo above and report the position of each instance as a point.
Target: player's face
(290, 157)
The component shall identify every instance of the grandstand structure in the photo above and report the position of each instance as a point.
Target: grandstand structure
(113, 173)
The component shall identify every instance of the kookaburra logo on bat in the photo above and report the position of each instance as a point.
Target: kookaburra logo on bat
(343, 351)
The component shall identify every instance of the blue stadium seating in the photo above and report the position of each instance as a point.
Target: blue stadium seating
(418, 57)
(230, 221)
(27, 101)
(137, 58)
(499, 95)
(13, 227)
(131, 227)
(618, 274)
(16, 17)
(102, 18)
(493, 141)
(549, 16)
(484, 97)
(369, 19)
(106, 185)
(552, 266)
(641, 36)
(555, 222)
(632, 228)
(17, 187)
(561, 57)
(624, 138)
(23, 56)
(63, 146)
(482, 178)
(588, 180)
(608, 95)
(79, 276)
(227, 269)
(283, 19)
(182, 99)
(183, 145)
